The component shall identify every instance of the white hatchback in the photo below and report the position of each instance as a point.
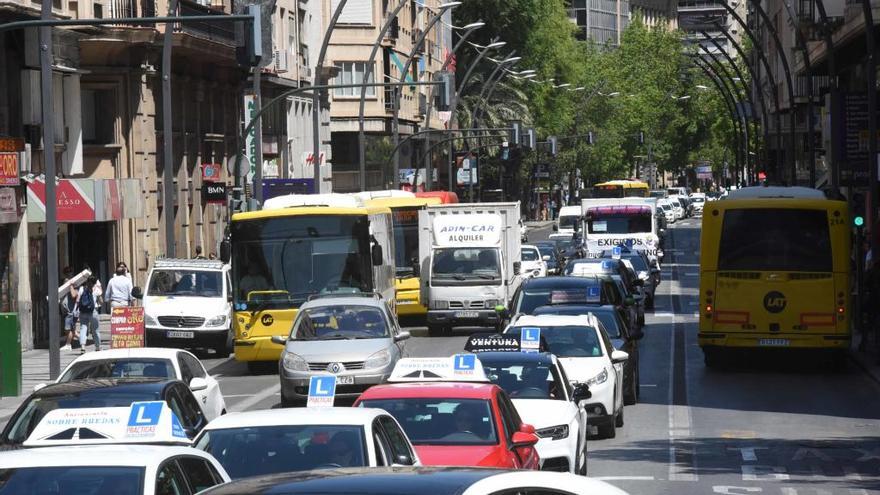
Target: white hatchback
(116, 469)
(589, 358)
(297, 439)
(154, 362)
(533, 264)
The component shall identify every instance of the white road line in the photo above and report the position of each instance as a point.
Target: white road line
(647, 385)
(679, 416)
(624, 478)
(256, 398)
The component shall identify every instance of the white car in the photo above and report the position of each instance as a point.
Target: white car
(280, 440)
(533, 264)
(151, 362)
(668, 211)
(589, 358)
(698, 200)
(543, 397)
(677, 207)
(116, 469)
(188, 304)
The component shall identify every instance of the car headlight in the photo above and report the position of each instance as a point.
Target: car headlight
(439, 304)
(602, 377)
(553, 432)
(378, 359)
(643, 275)
(150, 321)
(294, 362)
(216, 321)
(491, 303)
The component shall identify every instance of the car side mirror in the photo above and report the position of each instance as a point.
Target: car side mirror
(198, 383)
(502, 311)
(619, 357)
(546, 257)
(524, 438)
(279, 339)
(517, 266)
(580, 393)
(137, 293)
(376, 254)
(403, 335)
(225, 250)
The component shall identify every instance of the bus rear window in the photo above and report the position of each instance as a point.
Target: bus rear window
(775, 239)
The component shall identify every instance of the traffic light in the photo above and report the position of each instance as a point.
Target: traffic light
(591, 139)
(446, 90)
(552, 141)
(529, 138)
(858, 221)
(248, 38)
(515, 130)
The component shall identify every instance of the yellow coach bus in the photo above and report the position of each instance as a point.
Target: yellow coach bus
(299, 246)
(405, 222)
(774, 272)
(621, 189)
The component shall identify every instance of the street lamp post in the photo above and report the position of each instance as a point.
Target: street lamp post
(395, 122)
(454, 106)
(316, 97)
(368, 74)
(467, 30)
(489, 85)
(728, 97)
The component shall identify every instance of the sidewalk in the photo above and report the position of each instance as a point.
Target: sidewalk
(35, 369)
(539, 223)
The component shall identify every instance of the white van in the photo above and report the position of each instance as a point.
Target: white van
(188, 304)
(569, 219)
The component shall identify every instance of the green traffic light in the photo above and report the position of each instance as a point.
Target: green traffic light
(859, 221)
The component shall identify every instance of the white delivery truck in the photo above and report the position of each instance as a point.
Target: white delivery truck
(629, 222)
(471, 262)
(569, 220)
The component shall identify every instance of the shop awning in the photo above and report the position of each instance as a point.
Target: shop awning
(87, 200)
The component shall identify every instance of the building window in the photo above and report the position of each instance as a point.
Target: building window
(98, 116)
(353, 73)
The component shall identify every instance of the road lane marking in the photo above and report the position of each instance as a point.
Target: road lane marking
(624, 478)
(256, 398)
(679, 412)
(739, 434)
(647, 385)
(747, 453)
(752, 472)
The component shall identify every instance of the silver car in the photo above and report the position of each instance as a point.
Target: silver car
(357, 338)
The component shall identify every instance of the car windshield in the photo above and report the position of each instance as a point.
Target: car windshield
(589, 267)
(119, 368)
(547, 250)
(525, 380)
(37, 407)
(343, 322)
(466, 264)
(563, 243)
(406, 239)
(568, 221)
(605, 315)
(191, 283)
(429, 421)
(529, 254)
(638, 263)
(72, 480)
(530, 299)
(254, 451)
(568, 340)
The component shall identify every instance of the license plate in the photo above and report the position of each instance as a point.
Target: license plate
(345, 380)
(773, 342)
(466, 314)
(176, 334)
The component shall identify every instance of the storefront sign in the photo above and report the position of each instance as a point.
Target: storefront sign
(9, 164)
(214, 192)
(210, 172)
(74, 200)
(8, 206)
(127, 327)
(11, 145)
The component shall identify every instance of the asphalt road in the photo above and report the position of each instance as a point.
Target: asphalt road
(769, 426)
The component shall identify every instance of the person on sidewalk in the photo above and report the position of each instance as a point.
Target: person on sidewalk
(119, 288)
(68, 307)
(87, 313)
(199, 255)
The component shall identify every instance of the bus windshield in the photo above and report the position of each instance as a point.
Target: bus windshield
(789, 240)
(280, 261)
(406, 239)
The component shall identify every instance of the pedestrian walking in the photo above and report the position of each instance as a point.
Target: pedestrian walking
(68, 308)
(87, 313)
(119, 288)
(199, 255)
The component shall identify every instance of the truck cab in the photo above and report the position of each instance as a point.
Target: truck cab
(471, 263)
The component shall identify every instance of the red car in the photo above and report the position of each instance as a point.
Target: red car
(458, 424)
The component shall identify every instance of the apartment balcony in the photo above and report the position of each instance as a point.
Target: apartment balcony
(220, 32)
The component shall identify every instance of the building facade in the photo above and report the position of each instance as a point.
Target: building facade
(349, 51)
(601, 21)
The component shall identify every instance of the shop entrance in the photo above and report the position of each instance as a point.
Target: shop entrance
(90, 244)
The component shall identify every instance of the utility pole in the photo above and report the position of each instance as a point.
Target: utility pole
(167, 136)
(51, 201)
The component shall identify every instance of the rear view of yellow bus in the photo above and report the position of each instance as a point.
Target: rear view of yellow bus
(774, 272)
(623, 188)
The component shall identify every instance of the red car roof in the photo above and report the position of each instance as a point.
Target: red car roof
(449, 390)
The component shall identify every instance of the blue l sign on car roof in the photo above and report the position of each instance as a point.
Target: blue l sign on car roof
(530, 339)
(145, 413)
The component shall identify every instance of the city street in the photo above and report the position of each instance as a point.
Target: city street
(767, 427)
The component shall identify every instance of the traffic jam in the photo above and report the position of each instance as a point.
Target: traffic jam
(316, 287)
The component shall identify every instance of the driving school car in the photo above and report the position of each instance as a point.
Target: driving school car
(540, 390)
(453, 415)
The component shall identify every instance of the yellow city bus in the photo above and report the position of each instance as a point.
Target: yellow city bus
(299, 246)
(621, 189)
(405, 222)
(774, 272)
